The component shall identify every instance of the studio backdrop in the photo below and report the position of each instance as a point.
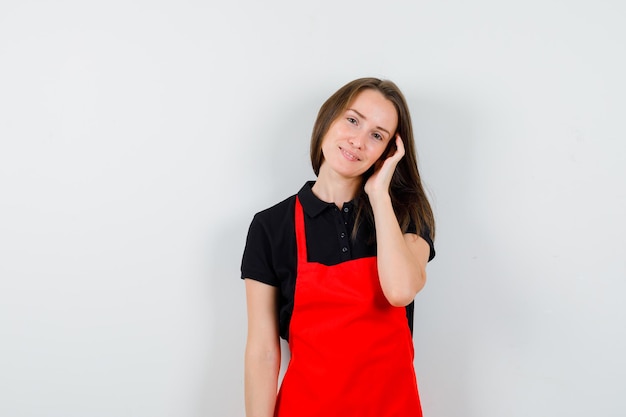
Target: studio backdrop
(138, 139)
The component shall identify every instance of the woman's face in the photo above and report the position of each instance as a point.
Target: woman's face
(358, 137)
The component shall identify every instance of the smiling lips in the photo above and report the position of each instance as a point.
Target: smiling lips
(349, 155)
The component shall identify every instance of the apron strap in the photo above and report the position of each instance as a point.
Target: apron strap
(300, 233)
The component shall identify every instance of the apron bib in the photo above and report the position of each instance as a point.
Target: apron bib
(351, 351)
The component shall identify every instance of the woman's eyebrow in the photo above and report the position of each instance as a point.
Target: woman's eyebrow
(365, 118)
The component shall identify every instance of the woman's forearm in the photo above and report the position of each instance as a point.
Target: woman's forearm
(401, 268)
(262, 357)
(261, 380)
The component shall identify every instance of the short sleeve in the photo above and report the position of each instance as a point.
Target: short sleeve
(256, 262)
(425, 234)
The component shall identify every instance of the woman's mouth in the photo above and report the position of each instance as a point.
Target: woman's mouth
(349, 155)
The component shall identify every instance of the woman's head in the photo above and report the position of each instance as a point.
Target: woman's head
(337, 104)
(358, 138)
(407, 194)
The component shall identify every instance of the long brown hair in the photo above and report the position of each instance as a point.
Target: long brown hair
(408, 198)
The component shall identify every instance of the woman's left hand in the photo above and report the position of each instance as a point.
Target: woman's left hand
(380, 180)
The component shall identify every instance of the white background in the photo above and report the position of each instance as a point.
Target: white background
(138, 138)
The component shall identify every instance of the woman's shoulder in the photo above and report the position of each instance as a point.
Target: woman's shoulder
(278, 210)
(268, 241)
(283, 211)
(277, 217)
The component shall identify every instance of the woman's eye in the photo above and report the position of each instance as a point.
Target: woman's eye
(352, 120)
(377, 136)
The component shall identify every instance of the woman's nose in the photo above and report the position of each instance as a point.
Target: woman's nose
(356, 140)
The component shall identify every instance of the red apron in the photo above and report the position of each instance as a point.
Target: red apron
(351, 351)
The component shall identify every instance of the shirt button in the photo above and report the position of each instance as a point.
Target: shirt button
(346, 209)
(342, 235)
(344, 249)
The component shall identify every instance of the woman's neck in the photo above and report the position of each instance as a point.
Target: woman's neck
(335, 189)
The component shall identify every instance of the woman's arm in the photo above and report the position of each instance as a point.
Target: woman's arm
(401, 258)
(262, 357)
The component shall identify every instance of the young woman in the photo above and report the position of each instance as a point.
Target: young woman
(334, 269)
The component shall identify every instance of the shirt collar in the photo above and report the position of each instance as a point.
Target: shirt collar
(311, 204)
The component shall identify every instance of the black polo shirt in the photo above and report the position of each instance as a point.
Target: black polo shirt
(270, 252)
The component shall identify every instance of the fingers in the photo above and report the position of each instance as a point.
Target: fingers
(400, 151)
(392, 161)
